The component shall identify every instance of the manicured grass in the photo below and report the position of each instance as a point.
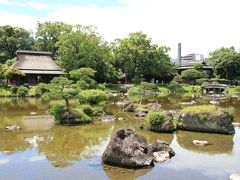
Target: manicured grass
(200, 109)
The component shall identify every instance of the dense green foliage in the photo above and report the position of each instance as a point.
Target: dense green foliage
(92, 96)
(66, 116)
(226, 63)
(138, 59)
(157, 118)
(13, 39)
(83, 47)
(191, 75)
(48, 33)
(84, 77)
(22, 91)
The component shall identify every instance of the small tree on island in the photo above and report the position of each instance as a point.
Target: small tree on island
(62, 88)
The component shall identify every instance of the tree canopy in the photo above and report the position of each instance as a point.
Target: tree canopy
(226, 63)
(13, 39)
(138, 58)
(47, 35)
(83, 47)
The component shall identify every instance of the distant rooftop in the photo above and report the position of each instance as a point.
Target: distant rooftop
(33, 52)
(36, 62)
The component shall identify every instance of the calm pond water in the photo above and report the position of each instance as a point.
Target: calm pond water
(46, 151)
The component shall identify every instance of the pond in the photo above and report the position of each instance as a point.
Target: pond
(46, 151)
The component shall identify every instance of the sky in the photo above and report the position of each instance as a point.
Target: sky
(201, 26)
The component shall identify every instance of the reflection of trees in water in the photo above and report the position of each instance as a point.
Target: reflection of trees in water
(218, 144)
(11, 142)
(115, 173)
(72, 143)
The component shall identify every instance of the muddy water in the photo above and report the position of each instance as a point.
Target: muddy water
(46, 151)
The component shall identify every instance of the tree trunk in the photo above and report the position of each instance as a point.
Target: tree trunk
(67, 103)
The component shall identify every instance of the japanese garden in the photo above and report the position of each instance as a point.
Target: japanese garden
(76, 106)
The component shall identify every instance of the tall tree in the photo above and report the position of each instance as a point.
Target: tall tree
(13, 39)
(226, 63)
(47, 35)
(83, 47)
(138, 58)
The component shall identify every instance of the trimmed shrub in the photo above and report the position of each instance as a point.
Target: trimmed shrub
(160, 122)
(92, 96)
(156, 118)
(22, 91)
(68, 116)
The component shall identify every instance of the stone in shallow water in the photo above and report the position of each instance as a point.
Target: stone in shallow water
(33, 113)
(200, 143)
(127, 149)
(140, 114)
(13, 128)
(161, 156)
(107, 118)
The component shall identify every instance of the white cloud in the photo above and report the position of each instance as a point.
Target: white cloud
(18, 20)
(4, 2)
(200, 25)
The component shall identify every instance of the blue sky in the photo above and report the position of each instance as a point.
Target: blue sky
(25, 7)
(201, 26)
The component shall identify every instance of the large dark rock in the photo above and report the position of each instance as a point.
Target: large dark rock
(219, 121)
(127, 149)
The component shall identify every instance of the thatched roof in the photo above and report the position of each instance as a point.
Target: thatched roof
(36, 62)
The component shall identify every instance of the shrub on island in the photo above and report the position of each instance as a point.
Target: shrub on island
(160, 121)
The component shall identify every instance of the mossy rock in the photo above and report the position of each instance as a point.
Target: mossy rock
(160, 121)
(206, 118)
(68, 116)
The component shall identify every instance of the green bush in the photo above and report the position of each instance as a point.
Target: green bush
(92, 96)
(68, 116)
(57, 111)
(157, 118)
(22, 91)
(41, 89)
(87, 110)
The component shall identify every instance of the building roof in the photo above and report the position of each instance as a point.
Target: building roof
(36, 62)
(191, 67)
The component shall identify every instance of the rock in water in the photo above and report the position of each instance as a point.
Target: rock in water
(13, 128)
(107, 118)
(159, 145)
(140, 114)
(127, 149)
(200, 143)
(217, 121)
(161, 156)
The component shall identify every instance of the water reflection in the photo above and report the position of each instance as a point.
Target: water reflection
(71, 143)
(218, 144)
(115, 173)
(11, 142)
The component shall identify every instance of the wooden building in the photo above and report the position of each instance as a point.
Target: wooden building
(38, 67)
